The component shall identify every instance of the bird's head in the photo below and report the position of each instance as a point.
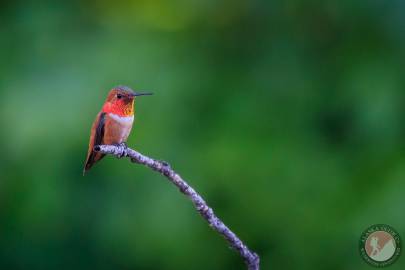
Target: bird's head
(120, 101)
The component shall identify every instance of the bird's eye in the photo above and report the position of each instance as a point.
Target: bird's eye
(119, 96)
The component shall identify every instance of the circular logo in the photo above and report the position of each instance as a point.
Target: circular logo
(380, 245)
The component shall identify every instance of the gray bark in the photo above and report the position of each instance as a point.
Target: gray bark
(251, 259)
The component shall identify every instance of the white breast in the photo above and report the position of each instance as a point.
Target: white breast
(123, 120)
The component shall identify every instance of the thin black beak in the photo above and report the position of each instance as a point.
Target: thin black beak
(141, 94)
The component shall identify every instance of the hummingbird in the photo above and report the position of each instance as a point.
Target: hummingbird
(113, 123)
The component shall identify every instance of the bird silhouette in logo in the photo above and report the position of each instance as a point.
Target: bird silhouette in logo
(375, 246)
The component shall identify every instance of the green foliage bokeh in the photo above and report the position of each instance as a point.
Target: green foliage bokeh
(287, 116)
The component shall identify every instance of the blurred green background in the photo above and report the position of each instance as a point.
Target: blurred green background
(287, 116)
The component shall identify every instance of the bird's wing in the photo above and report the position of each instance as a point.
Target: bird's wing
(96, 138)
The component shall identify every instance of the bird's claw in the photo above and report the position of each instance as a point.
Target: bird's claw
(124, 148)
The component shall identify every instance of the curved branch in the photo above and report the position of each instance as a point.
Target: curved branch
(251, 259)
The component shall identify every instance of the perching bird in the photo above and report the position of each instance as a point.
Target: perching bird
(113, 124)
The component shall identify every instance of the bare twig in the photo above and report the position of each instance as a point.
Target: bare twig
(251, 259)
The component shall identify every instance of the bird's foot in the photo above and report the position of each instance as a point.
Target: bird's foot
(124, 147)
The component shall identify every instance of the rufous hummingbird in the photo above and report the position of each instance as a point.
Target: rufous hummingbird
(113, 123)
